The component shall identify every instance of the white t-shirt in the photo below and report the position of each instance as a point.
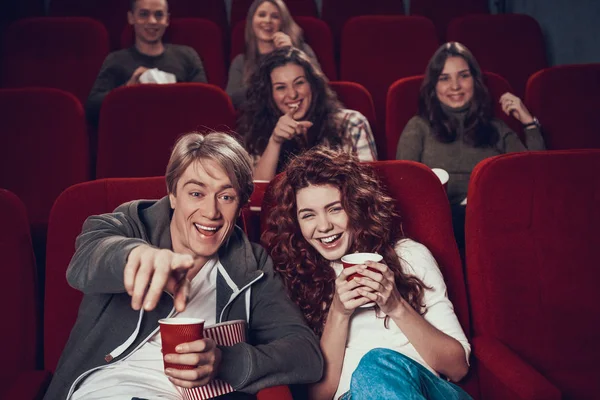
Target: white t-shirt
(141, 374)
(367, 331)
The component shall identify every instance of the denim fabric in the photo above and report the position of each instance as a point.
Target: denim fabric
(387, 374)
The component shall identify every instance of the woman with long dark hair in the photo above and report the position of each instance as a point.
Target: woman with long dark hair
(269, 26)
(329, 205)
(291, 108)
(455, 128)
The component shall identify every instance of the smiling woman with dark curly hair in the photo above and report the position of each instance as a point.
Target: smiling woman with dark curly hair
(290, 108)
(329, 205)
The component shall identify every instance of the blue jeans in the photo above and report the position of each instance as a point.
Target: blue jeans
(387, 374)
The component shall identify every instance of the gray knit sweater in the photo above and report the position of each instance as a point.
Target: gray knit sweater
(458, 158)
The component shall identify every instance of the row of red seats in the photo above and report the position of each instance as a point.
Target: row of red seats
(527, 303)
(46, 146)
(375, 50)
(334, 12)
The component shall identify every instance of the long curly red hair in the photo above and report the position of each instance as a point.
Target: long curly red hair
(373, 221)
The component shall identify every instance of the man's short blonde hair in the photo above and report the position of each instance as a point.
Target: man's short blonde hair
(219, 147)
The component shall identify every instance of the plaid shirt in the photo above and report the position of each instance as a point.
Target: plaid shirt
(358, 138)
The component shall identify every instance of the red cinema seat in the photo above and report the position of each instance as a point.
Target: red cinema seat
(425, 212)
(354, 96)
(566, 100)
(110, 13)
(403, 104)
(44, 149)
(315, 32)
(377, 51)
(140, 124)
(532, 238)
(492, 40)
(68, 214)
(442, 12)
(213, 10)
(337, 12)
(21, 332)
(62, 53)
(304, 8)
(202, 35)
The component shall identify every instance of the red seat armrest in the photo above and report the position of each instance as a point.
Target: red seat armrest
(275, 393)
(502, 373)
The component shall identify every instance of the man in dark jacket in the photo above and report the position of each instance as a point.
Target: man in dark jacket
(181, 256)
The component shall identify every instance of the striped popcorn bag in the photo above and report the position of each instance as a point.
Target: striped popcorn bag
(224, 334)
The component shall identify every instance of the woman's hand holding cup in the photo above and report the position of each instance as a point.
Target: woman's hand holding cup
(380, 286)
(347, 297)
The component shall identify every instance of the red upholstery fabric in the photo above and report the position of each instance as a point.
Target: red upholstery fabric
(355, 97)
(442, 12)
(423, 205)
(113, 13)
(532, 235)
(62, 53)
(306, 8)
(377, 51)
(571, 122)
(403, 104)
(492, 39)
(110, 13)
(337, 12)
(68, 214)
(140, 124)
(202, 35)
(19, 294)
(44, 148)
(213, 10)
(316, 33)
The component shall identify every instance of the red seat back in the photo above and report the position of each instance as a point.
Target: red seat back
(403, 104)
(492, 38)
(316, 33)
(354, 96)
(377, 51)
(140, 124)
(532, 238)
(202, 35)
(425, 211)
(337, 12)
(68, 214)
(62, 53)
(566, 100)
(213, 10)
(20, 294)
(110, 13)
(44, 148)
(442, 12)
(305, 8)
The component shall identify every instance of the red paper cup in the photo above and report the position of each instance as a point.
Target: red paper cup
(443, 176)
(224, 334)
(350, 260)
(174, 331)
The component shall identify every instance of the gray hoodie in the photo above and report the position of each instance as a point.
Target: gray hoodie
(281, 349)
